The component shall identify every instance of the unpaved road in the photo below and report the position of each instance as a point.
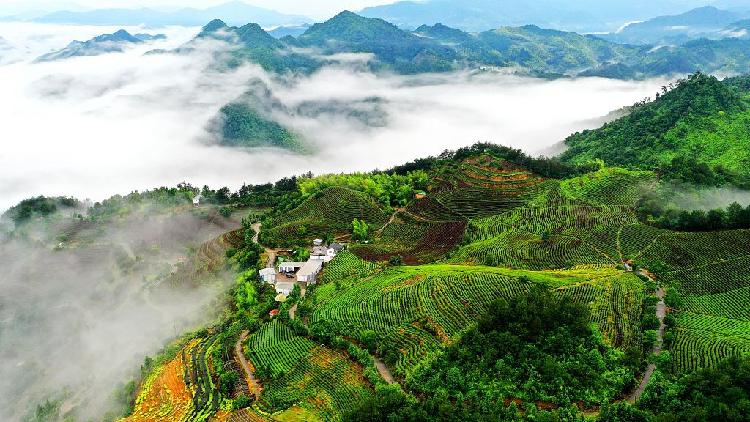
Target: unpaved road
(661, 312)
(252, 383)
(383, 370)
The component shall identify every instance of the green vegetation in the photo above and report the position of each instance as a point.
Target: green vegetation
(395, 49)
(327, 212)
(655, 212)
(487, 284)
(719, 393)
(40, 206)
(243, 126)
(535, 348)
(695, 131)
(412, 311)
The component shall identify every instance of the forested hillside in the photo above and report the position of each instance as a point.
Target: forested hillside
(695, 132)
(527, 49)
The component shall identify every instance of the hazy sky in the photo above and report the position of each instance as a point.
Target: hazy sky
(316, 8)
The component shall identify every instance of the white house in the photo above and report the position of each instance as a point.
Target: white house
(268, 275)
(290, 267)
(197, 200)
(309, 272)
(318, 242)
(285, 287)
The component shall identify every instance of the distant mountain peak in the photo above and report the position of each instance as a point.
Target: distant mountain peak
(214, 25)
(102, 44)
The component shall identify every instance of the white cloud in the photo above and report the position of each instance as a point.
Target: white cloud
(96, 126)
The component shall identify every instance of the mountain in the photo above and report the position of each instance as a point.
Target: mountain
(528, 49)
(444, 34)
(699, 124)
(235, 13)
(739, 29)
(289, 31)
(553, 51)
(701, 22)
(395, 49)
(251, 43)
(102, 44)
(528, 284)
(573, 15)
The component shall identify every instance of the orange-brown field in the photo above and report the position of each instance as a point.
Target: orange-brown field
(164, 395)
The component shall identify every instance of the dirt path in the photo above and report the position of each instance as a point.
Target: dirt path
(391, 220)
(661, 312)
(383, 370)
(252, 383)
(271, 253)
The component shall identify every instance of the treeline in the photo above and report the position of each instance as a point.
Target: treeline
(40, 206)
(551, 168)
(387, 188)
(734, 216)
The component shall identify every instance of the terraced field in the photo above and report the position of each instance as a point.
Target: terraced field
(548, 237)
(415, 240)
(483, 186)
(275, 349)
(416, 310)
(329, 212)
(165, 395)
(346, 265)
(199, 379)
(212, 254)
(608, 186)
(702, 340)
(297, 372)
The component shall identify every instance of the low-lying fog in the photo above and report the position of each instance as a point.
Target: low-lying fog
(95, 126)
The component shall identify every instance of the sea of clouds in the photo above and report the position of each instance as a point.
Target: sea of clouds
(91, 127)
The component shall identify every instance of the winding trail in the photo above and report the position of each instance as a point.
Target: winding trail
(252, 383)
(383, 370)
(661, 312)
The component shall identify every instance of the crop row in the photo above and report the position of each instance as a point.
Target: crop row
(327, 381)
(206, 396)
(346, 265)
(336, 207)
(734, 304)
(275, 350)
(702, 340)
(615, 304)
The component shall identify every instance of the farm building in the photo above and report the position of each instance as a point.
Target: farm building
(290, 267)
(309, 272)
(197, 200)
(268, 275)
(285, 287)
(325, 254)
(337, 247)
(318, 242)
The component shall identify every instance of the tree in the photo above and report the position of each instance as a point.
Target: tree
(360, 230)
(622, 412)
